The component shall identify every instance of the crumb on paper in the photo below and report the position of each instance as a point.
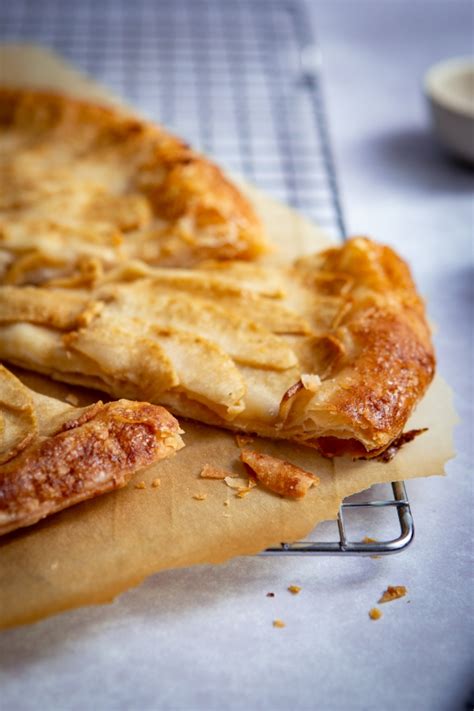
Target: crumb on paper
(156, 483)
(241, 487)
(393, 592)
(242, 493)
(243, 439)
(226, 502)
(375, 613)
(279, 623)
(72, 399)
(140, 485)
(210, 472)
(244, 490)
(200, 497)
(270, 594)
(294, 589)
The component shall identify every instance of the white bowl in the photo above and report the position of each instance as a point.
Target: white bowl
(449, 87)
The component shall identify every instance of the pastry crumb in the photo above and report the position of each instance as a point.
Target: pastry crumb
(375, 613)
(278, 475)
(226, 502)
(367, 539)
(270, 594)
(140, 485)
(156, 483)
(242, 439)
(72, 399)
(210, 472)
(244, 490)
(200, 497)
(239, 485)
(393, 592)
(294, 589)
(279, 623)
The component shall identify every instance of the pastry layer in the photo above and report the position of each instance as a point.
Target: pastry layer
(85, 186)
(333, 351)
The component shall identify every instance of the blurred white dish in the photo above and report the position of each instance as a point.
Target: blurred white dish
(449, 87)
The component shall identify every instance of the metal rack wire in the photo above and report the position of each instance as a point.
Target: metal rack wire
(240, 81)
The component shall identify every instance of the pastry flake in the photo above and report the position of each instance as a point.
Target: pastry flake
(86, 186)
(294, 589)
(210, 472)
(393, 592)
(279, 476)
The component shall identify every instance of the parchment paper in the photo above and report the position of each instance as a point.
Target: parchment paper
(92, 552)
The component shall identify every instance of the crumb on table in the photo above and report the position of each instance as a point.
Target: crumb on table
(367, 539)
(375, 613)
(200, 497)
(140, 485)
(156, 483)
(279, 623)
(270, 594)
(393, 592)
(294, 589)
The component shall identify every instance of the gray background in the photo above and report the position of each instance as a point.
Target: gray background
(202, 638)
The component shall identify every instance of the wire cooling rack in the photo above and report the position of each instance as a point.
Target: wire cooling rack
(241, 81)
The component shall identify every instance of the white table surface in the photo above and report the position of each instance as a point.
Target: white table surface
(203, 638)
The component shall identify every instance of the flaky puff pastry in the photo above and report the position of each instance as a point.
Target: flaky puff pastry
(54, 455)
(333, 351)
(85, 186)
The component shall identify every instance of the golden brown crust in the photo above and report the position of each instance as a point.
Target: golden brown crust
(92, 185)
(345, 383)
(89, 455)
(393, 592)
(278, 475)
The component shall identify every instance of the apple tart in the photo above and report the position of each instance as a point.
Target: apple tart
(54, 455)
(85, 187)
(332, 351)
